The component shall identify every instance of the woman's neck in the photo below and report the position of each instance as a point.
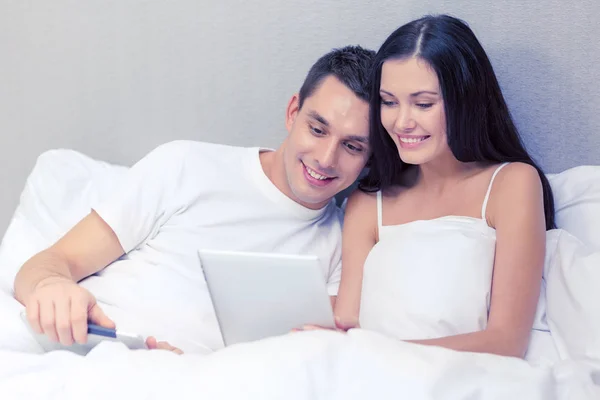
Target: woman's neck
(435, 176)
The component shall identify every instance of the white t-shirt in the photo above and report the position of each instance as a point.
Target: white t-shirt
(184, 196)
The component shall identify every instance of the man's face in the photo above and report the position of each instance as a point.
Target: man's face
(327, 146)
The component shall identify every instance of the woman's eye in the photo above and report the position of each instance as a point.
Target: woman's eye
(424, 105)
(387, 103)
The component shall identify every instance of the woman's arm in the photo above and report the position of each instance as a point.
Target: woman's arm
(516, 211)
(358, 238)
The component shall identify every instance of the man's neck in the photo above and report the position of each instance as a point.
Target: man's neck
(273, 166)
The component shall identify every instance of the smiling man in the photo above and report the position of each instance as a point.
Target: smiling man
(132, 261)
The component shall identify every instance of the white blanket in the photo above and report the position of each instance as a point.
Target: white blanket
(308, 365)
(563, 362)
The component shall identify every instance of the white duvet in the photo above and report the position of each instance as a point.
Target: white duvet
(307, 365)
(563, 360)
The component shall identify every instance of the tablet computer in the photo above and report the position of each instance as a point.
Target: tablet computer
(96, 334)
(258, 295)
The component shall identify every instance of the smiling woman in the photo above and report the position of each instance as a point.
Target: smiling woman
(406, 105)
(444, 243)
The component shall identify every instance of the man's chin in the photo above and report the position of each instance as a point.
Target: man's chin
(314, 202)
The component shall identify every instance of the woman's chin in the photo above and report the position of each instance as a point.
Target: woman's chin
(413, 159)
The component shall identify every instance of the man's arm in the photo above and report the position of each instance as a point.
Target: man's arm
(47, 283)
(127, 215)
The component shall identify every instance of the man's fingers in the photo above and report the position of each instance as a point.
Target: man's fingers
(97, 316)
(62, 316)
(79, 317)
(47, 320)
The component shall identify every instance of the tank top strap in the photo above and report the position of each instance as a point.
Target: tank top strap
(379, 213)
(489, 189)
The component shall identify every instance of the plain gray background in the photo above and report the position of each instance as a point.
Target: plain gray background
(115, 78)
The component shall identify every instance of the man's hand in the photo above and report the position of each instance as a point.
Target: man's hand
(153, 344)
(60, 309)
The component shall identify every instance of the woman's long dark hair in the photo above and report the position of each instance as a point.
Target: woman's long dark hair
(479, 126)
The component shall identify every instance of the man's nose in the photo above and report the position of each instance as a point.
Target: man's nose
(329, 155)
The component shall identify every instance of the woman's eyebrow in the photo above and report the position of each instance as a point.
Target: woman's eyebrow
(423, 92)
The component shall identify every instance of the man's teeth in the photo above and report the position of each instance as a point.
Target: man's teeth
(315, 175)
(413, 140)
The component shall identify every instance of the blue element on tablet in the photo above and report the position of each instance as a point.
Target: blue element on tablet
(101, 331)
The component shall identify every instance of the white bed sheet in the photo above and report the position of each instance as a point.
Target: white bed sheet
(308, 365)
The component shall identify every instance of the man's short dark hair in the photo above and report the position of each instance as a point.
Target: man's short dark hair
(351, 65)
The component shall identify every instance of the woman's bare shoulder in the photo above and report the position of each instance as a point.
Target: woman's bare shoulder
(360, 200)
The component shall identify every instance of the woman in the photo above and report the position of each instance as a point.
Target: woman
(444, 243)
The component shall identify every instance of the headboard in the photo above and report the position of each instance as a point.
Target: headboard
(113, 79)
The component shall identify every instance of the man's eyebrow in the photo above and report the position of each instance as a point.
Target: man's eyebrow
(315, 115)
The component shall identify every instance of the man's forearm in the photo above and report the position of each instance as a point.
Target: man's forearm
(45, 266)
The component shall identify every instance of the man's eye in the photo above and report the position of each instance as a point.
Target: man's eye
(316, 131)
(353, 148)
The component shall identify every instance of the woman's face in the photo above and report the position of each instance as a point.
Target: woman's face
(412, 110)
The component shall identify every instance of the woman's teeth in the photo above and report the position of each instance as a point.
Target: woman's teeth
(413, 140)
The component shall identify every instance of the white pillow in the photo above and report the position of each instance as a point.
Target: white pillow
(573, 298)
(57, 194)
(577, 202)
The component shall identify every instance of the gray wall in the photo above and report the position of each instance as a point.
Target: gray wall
(114, 78)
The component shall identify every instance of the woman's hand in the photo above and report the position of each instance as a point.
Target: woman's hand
(339, 327)
(153, 344)
(317, 328)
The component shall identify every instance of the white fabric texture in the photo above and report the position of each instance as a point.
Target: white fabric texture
(308, 365)
(181, 197)
(577, 202)
(327, 365)
(418, 282)
(427, 279)
(573, 297)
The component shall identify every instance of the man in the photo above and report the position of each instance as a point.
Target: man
(137, 247)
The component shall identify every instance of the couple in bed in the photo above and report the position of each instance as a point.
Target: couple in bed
(443, 242)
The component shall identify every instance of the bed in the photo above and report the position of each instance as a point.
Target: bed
(563, 359)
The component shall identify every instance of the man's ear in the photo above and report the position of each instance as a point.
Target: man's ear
(292, 112)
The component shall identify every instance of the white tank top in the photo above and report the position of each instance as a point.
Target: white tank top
(429, 278)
